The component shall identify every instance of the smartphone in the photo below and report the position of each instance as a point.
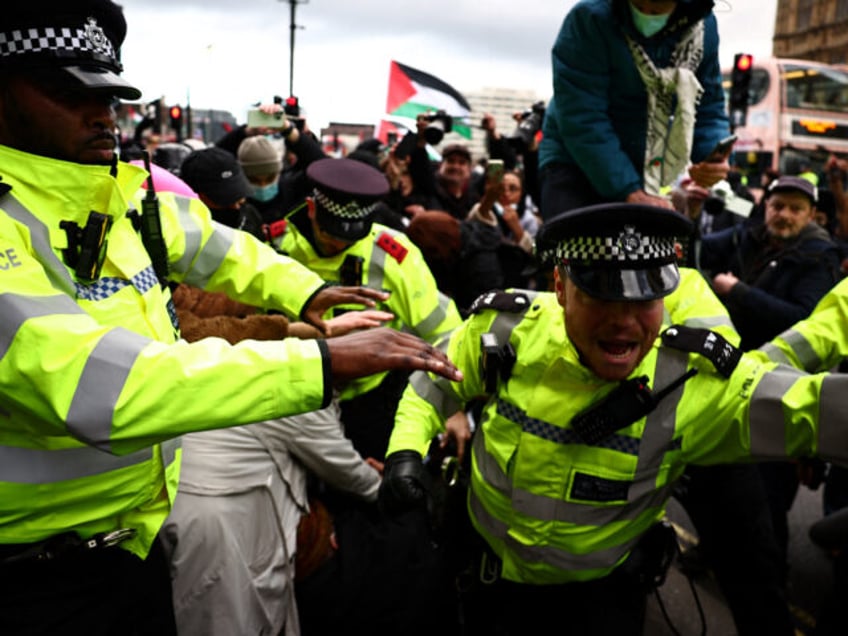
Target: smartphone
(722, 149)
(259, 119)
(494, 170)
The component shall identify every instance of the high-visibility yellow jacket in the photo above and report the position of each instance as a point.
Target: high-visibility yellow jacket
(391, 262)
(820, 341)
(95, 388)
(557, 510)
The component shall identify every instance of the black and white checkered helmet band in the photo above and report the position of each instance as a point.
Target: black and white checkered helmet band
(71, 43)
(628, 246)
(350, 211)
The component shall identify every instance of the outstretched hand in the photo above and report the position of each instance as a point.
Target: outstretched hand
(356, 320)
(364, 353)
(332, 296)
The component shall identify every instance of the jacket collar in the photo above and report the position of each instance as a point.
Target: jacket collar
(67, 188)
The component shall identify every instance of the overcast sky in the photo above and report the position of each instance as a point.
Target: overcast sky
(228, 54)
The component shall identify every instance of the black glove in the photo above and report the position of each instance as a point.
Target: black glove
(405, 483)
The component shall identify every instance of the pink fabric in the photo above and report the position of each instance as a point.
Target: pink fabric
(165, 181)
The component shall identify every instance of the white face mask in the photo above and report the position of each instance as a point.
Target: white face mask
(648, 25)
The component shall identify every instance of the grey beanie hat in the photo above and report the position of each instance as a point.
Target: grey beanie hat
(258, 156)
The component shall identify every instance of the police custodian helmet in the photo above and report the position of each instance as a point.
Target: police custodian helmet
(78, 42)
(346, 193)
(617, 251)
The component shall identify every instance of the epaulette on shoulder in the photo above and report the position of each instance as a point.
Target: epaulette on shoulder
(709, 344)
(512, 302)
(392, 246)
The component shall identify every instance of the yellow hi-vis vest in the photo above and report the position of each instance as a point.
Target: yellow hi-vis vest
(391, 262)
(95, 388)
(819, 342)
(555, 509)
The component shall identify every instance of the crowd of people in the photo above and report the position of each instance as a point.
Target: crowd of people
(248, 388)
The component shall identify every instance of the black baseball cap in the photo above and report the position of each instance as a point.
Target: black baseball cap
(346, 193)
(617, 251)
(794, 184)
(217, 174)
(76, 42)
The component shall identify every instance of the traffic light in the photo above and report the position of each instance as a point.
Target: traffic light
(176, 115)
(292, 107)
(740, 88)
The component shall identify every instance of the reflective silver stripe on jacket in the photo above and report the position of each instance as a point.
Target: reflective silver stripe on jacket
(192, 233)
(766, 418)
(169, 450)
(436, 317)
(833, 406)
(376, 267)
(807, 356)
(211, 256)
(700, 322)
(547, 554)
(37, 466)
(658, 437)
(17, 309)
(56, 271)
(93, 405)
(441, 400)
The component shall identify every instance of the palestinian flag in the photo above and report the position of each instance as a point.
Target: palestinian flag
(412, 92)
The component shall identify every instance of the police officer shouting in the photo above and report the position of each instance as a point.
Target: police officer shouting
(595, 405)
(95, 388)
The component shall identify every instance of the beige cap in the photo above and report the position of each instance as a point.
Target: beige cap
(258, 156)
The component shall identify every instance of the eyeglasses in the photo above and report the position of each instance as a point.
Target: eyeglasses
(512, 187)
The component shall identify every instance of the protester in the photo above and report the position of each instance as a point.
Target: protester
(619, 68)
(96, 388)
(219, 181)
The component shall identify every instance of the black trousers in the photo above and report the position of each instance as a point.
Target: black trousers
(95, 592)
(729, 509)
(612, 605)
(565, 188)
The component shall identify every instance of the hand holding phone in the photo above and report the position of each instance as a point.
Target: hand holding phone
(257, 118)
(494, 170)
(722, 150)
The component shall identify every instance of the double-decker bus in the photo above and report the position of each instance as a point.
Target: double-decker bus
(797, 116)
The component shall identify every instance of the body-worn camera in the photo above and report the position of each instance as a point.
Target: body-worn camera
(529, 124)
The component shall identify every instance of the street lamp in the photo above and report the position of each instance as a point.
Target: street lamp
(292, 26)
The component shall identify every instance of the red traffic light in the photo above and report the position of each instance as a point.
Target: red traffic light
(176, 112)
(291, 101)
(744, 62)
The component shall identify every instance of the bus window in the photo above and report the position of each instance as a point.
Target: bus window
(816, 88)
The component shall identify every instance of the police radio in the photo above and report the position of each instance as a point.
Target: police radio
(151, 228)
(629, 402)
(351, 271)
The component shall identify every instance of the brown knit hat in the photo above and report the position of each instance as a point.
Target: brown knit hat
(258, 156)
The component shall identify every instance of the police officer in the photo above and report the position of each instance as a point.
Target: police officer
(595, 406)
(335, 236)
(95, 388)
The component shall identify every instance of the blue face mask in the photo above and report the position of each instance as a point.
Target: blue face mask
(648, 25)
(266, 193)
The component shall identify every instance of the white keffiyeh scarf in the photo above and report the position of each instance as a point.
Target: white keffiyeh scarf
(668, 142)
